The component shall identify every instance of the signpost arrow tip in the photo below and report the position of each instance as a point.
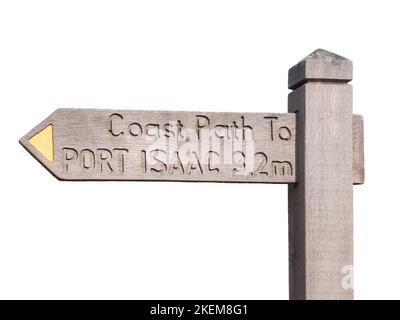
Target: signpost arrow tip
(40, 143)
(43, 142)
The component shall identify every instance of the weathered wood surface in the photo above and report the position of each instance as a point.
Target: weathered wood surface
(310, 68)
(93, 144)
(358, 150)
(321, 202)
(89, 135)
(317, 148)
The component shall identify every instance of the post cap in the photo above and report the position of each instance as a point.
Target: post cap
(321, 65)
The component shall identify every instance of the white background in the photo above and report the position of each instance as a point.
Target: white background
(141, 240)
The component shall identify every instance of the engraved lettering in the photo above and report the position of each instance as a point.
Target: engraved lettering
(100, 160)
(153, 130)
(282, 168)
(168, 132)
(211, 162)
(262, 164)
(222, 131)
(181, 146)
(158, 156)
(234, 129)
(121, 154)
(272, 119)
(114, 119)
(88, 159)
(135, 129)
(105, 157)
(179, 129)
(284, 133)
(194, 164)
(68, 154)
(176, 165)
(144, 161)
(246, 129)
(239, 159)
(202, 122)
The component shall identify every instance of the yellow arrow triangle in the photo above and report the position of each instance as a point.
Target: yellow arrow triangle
(43, 142)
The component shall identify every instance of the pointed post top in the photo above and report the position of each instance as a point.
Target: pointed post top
(321, 65)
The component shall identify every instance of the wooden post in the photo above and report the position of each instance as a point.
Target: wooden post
(321, 202)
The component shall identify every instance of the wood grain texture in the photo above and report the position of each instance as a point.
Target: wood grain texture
(317, 148)
(321, 202)
(358, 150)
(98, 144)
(320, 65)
(89, 129)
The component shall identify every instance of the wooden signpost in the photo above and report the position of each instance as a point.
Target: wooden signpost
(91, 144)
(316, 148)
